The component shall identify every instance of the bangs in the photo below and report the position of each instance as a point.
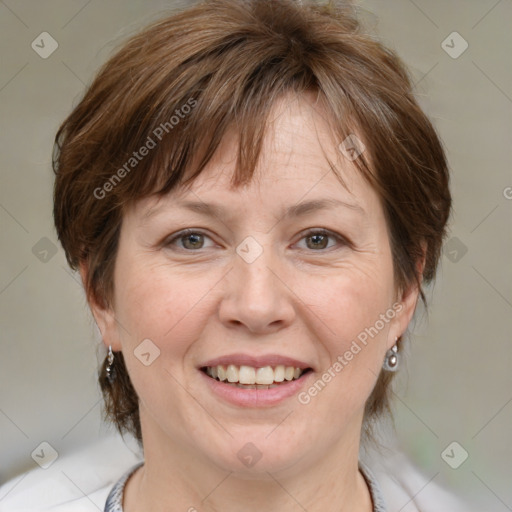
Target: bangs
(182, 124)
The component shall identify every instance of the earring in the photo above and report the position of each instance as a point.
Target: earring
(392, 358)
(110, 369)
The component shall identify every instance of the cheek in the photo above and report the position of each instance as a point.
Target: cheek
(348, 310)
(164, 307)
(170, 310)
(345, 306)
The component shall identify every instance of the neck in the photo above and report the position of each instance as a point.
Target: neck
(175, 477)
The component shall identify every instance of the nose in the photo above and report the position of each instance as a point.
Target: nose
(257, 296)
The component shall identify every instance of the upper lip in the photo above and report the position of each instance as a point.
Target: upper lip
(256, 361)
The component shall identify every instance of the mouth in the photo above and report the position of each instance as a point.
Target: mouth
(250, 377)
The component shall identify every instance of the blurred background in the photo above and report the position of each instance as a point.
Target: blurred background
(453, 400)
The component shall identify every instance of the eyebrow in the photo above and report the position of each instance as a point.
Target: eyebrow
(297, 210)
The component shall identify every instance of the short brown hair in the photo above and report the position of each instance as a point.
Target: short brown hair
(229, 61)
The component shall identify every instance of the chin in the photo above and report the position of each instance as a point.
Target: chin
(253, 456)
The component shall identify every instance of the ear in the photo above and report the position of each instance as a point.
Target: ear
(408, 300)
(103, 315)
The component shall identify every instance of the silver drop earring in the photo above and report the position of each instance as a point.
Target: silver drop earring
(392, 358)
(110, 369)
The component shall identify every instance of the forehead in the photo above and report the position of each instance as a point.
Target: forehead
(300, 160)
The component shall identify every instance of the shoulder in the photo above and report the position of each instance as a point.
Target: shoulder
(404, 487)
(77, 482)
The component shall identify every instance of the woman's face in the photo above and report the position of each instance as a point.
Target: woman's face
(260, 280)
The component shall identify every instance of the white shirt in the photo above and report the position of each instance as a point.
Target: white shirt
(82, 481)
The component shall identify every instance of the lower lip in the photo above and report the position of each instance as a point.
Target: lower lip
(256, 397)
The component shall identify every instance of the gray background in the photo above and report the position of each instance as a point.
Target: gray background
(457, 385)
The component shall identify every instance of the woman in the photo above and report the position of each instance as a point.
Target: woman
(254, 199)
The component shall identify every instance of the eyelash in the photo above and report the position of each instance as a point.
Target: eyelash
(182, 234)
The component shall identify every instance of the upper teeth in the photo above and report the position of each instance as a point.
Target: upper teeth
(250, 375)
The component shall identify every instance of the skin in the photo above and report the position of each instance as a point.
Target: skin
(303, 297)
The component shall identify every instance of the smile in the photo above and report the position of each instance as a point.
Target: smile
(249, 377)
(248, 386)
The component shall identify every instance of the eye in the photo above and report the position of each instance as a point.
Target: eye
(191, 240)
(317, 239)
